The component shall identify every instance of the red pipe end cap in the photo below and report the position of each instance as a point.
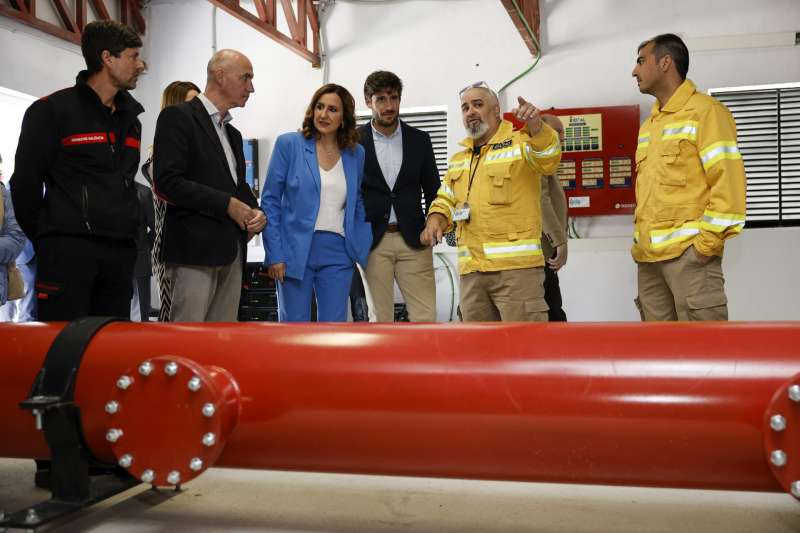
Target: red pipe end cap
(782, 436)
(166, 420)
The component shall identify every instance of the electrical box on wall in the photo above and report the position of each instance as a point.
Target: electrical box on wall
(598, 163)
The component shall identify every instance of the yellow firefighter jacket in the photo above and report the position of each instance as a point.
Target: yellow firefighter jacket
(690, 182)
(505, 224)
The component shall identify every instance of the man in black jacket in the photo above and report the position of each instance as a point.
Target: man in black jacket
(72, 186)
(211, 211)
(399, 167)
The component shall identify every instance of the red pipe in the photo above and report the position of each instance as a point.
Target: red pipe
(668, 405)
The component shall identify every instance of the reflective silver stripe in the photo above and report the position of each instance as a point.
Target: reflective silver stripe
(722, 222)
(554, 149)
(691, 130)
(458, 165)
(718, 149)
(504, 154)
(446, 191)
(497, 249)
(677, 234)
(442, 204)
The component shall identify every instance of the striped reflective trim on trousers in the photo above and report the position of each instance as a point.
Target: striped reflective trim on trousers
(504, 250)
(661, 238)
(718, 151)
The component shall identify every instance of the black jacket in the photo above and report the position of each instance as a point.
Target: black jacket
(86, 157)
(192, 175)
(147, 232)
(418, 175)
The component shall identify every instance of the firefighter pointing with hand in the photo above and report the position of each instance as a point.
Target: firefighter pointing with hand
(491, 194)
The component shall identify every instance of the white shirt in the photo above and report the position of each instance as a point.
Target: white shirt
(389, 151)
(332, 197)
(219, 125)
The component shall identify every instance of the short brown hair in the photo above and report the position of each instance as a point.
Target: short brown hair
(106, 35)
(382, 80)
(347, 136)
(175, 93)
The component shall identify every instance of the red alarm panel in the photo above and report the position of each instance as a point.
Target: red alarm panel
(598, 163)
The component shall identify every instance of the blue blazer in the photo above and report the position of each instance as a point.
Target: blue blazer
(290, 199)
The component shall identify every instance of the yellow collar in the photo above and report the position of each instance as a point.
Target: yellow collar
(678, 99)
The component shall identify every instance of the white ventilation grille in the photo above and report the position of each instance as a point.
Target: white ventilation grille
(432, 120)
(768, 127)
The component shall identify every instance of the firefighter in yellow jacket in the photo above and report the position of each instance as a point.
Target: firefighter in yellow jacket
(492, 192)
(690, 190)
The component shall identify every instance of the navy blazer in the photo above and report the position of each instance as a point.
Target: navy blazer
(418, 174)
(290, 199)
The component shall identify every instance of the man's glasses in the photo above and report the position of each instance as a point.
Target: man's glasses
(477, 85)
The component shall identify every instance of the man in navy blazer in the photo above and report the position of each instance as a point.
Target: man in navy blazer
(211, 212)
(399, 167)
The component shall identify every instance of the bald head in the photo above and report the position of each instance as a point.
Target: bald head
(224, 60)
(229, 81)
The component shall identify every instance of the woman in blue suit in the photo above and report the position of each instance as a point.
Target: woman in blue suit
(312, 198)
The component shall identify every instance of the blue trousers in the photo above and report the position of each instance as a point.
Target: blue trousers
(329, 272)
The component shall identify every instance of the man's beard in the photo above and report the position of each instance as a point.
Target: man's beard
(125, 85)
(478, 130)
(384, 123)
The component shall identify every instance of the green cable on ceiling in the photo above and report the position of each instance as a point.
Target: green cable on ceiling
(535, 41)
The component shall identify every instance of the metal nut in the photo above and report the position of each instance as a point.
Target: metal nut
(125, 461)
(209, 439)
(795, 488)
(209, 410)
(124, 382)
(146, 368)
(794, 393)
(148, 476)
(196, 464)
(778, 458)
(174, 477)
(777, 422)
(31, 517)
(194, 384)
(113, 434)
(112, 407)
(171, 368)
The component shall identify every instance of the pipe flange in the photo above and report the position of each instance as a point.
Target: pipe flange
(782, 436)
(169, 417)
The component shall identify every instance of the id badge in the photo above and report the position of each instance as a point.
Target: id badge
(461, 213)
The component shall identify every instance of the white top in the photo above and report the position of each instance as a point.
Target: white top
(219, 125)
(389, 151)
(332, 197)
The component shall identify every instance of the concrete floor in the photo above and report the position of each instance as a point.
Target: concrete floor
(247, 500)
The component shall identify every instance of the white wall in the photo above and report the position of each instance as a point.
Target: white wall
(35, 63)
(437, 47)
